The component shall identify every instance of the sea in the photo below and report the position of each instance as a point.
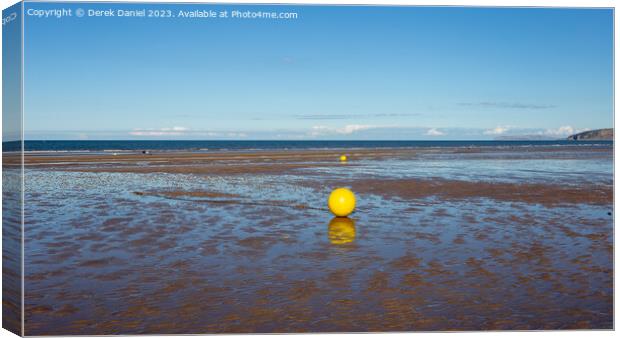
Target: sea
(219, 145)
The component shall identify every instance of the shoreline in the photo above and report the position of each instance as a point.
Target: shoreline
(221, 146)
(62, 159)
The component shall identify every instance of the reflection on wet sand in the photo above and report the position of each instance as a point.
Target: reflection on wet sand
(341, 230)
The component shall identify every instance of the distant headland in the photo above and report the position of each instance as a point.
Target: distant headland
(597, 134)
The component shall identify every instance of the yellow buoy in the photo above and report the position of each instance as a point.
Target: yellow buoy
(343, 158)
(341, 202)
(341, 230)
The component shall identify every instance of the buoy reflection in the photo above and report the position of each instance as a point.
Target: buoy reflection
(341, 230)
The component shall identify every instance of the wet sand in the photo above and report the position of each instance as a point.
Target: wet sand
(242, 241)
(247, 162)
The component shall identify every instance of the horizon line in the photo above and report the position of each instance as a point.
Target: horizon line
(285, 140)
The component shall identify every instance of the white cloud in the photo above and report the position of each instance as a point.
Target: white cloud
(187, 132)
(561, 131)
(176, 129)
(173, 131)
(497, 130)
(319, 130)
(534, 133)
(346, 130)
(434, 132)
(154, 133)
(236, 135)
(352, 128)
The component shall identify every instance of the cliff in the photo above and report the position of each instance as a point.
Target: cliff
(598, 134)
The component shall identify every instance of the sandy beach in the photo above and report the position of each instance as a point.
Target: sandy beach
(241, 241)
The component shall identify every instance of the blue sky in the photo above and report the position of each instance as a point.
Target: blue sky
(332, 73)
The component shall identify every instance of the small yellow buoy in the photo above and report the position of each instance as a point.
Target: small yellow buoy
(341, 230)
(343, 158)
(341, 202)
